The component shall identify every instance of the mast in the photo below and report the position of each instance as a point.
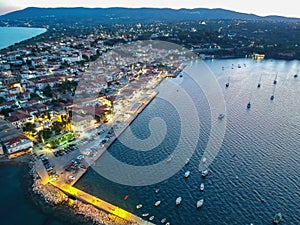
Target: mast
(275, 80)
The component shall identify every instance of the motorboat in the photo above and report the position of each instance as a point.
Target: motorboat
(202, 187)
(277, 218)
(151, 217)
(157, 203)
(204, 173)
(145, 214)
(139, 206)
(178, 200)
(200, 203)
(163, 220)
(187, 174)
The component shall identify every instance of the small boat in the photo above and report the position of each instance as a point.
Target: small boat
(125, 197)
(163, 220)
(169, 159)
(200, 203)
(272, 97)
(187, 161)
(258, 85)
(187, 174)
(168, 223)
(202, 187)
(204, 173)
(139, 206)
(221, 116)
(296, 75)
(249, 105)
(157, 203)
(204, 160)
(178, 200)
(156, 190)
(145, 214)
(151, 217)
(277, 218)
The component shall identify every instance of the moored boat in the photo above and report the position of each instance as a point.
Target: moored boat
(157, 203)
(178, 200)
(221, 116)
(204, 173)
(151, 217)
(187, 174)
(200, 203)
(139, 206)
(277, 218)
(249, 105)
(202, 187)
(163, 220)
(145, 214)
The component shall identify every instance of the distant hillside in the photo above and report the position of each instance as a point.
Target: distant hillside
(128, 15)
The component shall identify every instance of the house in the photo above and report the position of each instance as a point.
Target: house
(81, 123)
(17, 144)
(19, 118)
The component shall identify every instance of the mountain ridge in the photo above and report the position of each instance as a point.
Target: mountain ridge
(133, 15)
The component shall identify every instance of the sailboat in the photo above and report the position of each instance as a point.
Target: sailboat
(258, 85)
(227, 84)
(296, 75)
(275, 80)
(273, 95)
(249, 105)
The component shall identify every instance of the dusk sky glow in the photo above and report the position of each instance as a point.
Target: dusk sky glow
(262, 8)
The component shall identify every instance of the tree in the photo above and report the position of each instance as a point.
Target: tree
(47, 91)
(29, 127)
(57, 127)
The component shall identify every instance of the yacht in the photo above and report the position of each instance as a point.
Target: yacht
(157, 203)
(139, 206)
(204, 173)
(178, 200)
(200, 203)
(163, 220)
(277, 218)
(202, 187)
(187, 174)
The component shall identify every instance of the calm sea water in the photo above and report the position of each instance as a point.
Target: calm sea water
(15, 207)
(12, 35)
(260, 148)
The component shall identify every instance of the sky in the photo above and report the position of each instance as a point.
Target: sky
(259, 7)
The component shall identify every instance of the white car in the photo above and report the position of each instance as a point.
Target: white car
(80, 157)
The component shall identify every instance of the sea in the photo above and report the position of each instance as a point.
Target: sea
(254, 175)
(12, 35)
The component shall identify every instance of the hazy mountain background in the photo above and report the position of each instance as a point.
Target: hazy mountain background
(129, 15)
